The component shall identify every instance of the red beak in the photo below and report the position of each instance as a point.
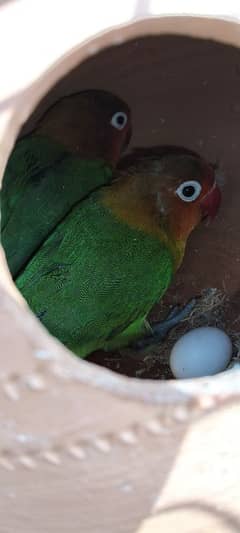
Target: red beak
(211, 202)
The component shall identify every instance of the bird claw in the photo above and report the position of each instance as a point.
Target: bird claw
(161, 329)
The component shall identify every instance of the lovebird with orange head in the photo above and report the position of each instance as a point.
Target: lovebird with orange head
(72, 151)
(95, 279)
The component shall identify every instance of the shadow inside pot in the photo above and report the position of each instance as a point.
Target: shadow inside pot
(181, 91)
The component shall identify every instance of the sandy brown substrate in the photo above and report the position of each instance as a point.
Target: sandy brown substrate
(187, 92)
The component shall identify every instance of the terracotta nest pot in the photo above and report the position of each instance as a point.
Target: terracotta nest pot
(83, 449)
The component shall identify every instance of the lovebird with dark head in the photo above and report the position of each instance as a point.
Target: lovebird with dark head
(72, 151)
(95, 279)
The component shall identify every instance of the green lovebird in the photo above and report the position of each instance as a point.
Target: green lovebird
(95, 279)
(72, 151)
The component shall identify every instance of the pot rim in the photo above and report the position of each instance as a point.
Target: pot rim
(15, 112)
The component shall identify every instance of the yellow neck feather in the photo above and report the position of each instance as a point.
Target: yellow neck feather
(139, 212)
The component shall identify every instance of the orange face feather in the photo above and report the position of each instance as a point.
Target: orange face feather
(190, 213)
(92, 124)
(164, 192)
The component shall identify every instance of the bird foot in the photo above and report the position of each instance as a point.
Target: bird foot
(161, 329)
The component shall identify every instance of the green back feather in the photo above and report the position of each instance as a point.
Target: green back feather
(41, 183)
(94, 277)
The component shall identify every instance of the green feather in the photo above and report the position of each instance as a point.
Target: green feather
(41, 183)
(94, 280)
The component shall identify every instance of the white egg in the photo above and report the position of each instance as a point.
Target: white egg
(200, 352)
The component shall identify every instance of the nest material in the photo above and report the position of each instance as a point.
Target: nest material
(212, 309)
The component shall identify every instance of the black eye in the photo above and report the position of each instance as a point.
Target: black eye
(189, 191)
(119, 120)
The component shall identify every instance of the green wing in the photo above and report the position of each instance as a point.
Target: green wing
(94, 277)
(41, 184)
(30, 156)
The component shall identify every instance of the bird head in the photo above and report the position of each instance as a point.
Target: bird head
(92, 124)
(178, 183)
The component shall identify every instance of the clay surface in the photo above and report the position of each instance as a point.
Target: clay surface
(84, 449)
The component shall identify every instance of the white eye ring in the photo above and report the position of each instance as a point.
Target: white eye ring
(119, 120)
(193, 192)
